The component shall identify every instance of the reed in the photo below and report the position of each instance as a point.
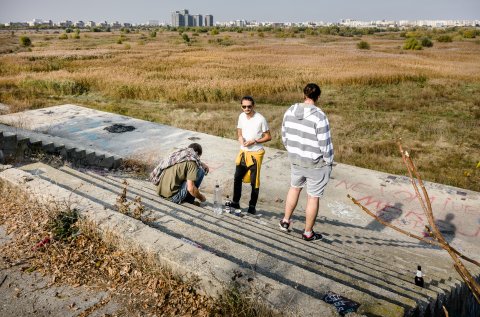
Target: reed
(430, 98)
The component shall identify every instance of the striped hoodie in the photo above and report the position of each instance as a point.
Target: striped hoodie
(306, 136)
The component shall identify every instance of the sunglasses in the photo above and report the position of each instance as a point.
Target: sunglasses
(247, 107)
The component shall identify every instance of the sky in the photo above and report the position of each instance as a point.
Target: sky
(140, 11)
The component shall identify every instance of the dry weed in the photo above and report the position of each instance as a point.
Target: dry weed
(82, 256)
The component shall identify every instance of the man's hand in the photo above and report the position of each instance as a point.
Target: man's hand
(202, 198)
(205, 168)
(248, 143)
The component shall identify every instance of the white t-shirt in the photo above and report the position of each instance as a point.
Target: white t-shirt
(252, 129)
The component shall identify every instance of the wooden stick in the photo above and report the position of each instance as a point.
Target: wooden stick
(439, 241)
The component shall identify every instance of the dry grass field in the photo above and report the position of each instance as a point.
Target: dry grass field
(430, 98)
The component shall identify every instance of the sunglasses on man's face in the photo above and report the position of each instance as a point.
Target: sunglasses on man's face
(247, 107)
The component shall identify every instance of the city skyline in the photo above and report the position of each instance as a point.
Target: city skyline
(302, 10)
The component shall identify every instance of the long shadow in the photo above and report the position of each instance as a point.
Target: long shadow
(307, 268)
(374, 262)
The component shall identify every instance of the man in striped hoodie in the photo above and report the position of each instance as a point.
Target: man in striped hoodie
(306, 136)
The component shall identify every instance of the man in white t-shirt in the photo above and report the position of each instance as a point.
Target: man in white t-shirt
(252, 131)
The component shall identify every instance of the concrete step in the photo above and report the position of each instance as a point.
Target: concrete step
(333, 235)
(368, 274)
(17, 142)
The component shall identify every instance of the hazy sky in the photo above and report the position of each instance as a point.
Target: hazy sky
(139, 11)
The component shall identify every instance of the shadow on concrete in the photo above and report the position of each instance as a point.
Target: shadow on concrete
(323, 259)
(387, 214)
(446, 227)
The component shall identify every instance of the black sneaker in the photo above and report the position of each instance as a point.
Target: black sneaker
(252, 210)
(314, 236)
(235, 205)
(285, 225)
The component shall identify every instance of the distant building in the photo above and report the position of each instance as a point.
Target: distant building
(79, 24)
(116, 25)
(90, 24)
(66, 24)
(208, 20)
(198, 20)
(184, 18)
(152, 23)
(178, 19)
(17, 24)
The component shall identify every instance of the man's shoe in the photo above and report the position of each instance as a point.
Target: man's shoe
(235, 205)
(312, 237)
(285, 225)
(252, 210)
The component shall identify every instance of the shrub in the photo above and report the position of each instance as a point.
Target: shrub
(363, 45)
(25, 41)
(153, 34)
(186, 38)
(469, 34)
(64, 36)
(412, 44)
(427, 42)
(214, 32)
(444, 38)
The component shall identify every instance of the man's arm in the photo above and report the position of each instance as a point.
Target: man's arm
(193, 190)
(266, 136)
(240, 136)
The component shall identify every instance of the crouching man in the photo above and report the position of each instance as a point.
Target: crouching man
(179, 175)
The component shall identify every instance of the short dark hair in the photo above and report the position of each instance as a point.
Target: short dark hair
(312, 91)
(249, 98)
(197, 148)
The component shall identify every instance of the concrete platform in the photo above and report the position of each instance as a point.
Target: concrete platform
(359, 258)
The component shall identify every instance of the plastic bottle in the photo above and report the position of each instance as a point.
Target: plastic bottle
(217, 200)
(419, 277)
(228, 208)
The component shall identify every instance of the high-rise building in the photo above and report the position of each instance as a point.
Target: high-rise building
(198, 20)
(178, 19)
(184, 18)
(208, 20)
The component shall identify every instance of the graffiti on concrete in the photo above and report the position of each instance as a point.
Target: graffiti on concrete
(401, 209)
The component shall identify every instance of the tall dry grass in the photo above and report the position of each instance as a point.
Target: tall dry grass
(430, 98)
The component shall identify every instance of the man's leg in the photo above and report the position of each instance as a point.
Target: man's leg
(311, 212)
(183, 195)
(291, 202)
(188, 197)
(240, 171)
(255, 191)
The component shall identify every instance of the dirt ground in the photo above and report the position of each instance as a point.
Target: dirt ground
(32, 294)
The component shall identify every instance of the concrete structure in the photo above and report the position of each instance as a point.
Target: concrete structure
(358, 259)
(208, 20)
(197, 20)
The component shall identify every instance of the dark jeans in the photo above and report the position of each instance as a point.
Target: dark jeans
(240, 172)
(183, 195)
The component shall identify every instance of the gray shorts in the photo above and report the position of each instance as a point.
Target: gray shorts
(315, 178)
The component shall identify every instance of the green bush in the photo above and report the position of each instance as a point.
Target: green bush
(363, 45)
(25, 41)
(153, 34)
(427, 42)
(469, 34)
(186, 38)
(444, 38)
(64, 36)
(412, 44)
